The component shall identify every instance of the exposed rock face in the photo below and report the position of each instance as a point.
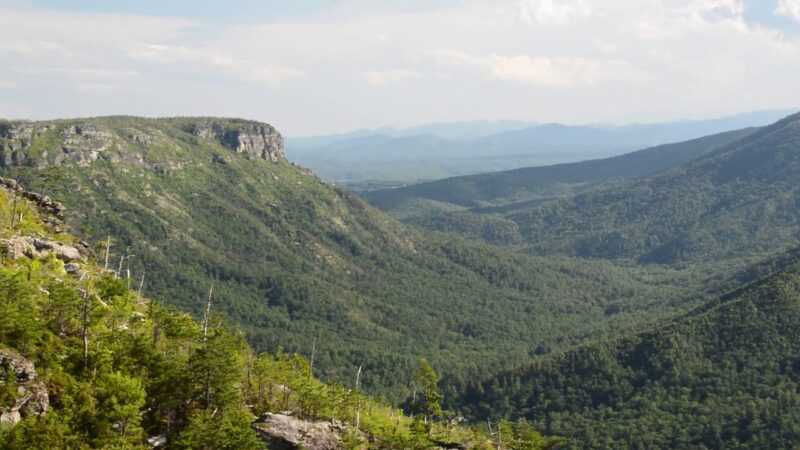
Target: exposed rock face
(30, 247)
(255, 139)
(117, 139)
(31, 397)
(43, 202)
(79, 144)
(83, 144)
(282, 432)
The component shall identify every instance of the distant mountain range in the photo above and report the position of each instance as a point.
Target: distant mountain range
(727, 195)
(444, 150)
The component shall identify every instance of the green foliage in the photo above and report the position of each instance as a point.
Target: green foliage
(294, 261)
(513, 189)
(726, 197)
(120, 398)
(724, 376)
(229, 430)
(735, 202)
(151, 371)
(428, 381)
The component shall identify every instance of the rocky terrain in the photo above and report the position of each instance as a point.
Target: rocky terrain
(84, 141)
(28, 394)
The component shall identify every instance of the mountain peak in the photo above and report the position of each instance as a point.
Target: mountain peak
(130, 139)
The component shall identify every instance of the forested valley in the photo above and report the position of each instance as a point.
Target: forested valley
(220, 292)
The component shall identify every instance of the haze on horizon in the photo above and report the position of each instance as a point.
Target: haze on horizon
(327, 66)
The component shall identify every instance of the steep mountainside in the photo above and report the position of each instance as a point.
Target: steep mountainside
(87, 362)
(191, 203)
(739, 200)
(724, 376)
(536, 183)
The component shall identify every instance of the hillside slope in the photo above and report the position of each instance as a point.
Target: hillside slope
(508, 187)
(724, 376)
(195, 202)
(739, 200)
(87, 362)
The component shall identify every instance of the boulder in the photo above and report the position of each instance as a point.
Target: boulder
(18, 247)
(284, 432)
(158, 441)
(63, 252)
(30, 247)
(73, 269)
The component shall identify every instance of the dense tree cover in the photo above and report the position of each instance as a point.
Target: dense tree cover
(148, 370)
(724, 376)
(295, 261)
(737, 201)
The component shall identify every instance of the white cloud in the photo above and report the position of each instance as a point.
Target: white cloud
(555, 12)
(718, 9)
(384, 77)
(558, 72)
(789, 8)
(541, 60)
(208, 59)
(563, 72)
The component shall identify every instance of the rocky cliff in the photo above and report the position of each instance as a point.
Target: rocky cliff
(133, 140)
(28, 396)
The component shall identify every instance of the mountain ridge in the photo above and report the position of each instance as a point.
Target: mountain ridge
(393, 161)
(301, 264)
(480, 190)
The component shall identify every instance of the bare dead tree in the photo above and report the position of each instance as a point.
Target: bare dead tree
(313, 355)
(14, 210)
(108, 248)
(121, 262)
(207, 314)
(128, 270)
(85, 320)
(206, 319)
(358, 398)
(141, 284)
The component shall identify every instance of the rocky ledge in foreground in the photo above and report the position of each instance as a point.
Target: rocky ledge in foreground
(284, 432)
(26, 396)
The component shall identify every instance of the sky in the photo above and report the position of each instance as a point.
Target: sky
(326, 66)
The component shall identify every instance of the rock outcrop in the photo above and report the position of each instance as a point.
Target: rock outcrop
(127, 139)
(284, 432)
(81, 144)
(31, 247)
(30, 397)
(255, 139)
(42, 202)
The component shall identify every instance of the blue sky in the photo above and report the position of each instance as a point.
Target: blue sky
(321, 66)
